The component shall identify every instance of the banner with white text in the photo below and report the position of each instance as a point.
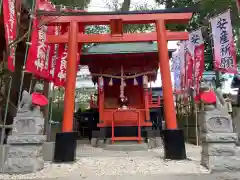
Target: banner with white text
(10, 25)
(197, 44)
(176, 72)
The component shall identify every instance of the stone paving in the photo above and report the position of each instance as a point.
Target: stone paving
(95, 163)
(215, 176)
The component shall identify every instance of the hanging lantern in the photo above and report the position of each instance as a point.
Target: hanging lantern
(101, 83)
(145, 81)
(110, 82)
(124, 83)
(135, 83)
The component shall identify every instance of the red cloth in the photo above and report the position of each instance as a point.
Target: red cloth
(39, 99)
(208, 97)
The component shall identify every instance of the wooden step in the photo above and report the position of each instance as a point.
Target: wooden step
(127, 139)
(127, 146)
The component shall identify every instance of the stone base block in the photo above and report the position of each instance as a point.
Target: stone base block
(238, 152)
(26, 139)
(151, 143)
(101, 143)
(218, 149)
(126, 146)
(23, 165)
(108, 141)
(221, 163)
(25, 151)
(159, 142)
(65, 147)
(174, 144)
(48, 151)
(216, 123)
(94, 142)
(3, 154)
(220, 137)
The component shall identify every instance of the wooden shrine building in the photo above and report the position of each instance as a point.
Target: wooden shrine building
(135, 58)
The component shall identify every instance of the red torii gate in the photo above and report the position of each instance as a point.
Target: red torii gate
(160, 18)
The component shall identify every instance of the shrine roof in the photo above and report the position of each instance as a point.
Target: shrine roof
(124, 48)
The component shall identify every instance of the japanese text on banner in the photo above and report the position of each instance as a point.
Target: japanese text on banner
(197, 44)
(224, 48)
(177, 72)
(40, 52)
(60, 70)
(10, 25)
(55, 54)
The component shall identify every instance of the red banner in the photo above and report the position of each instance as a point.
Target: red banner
(61, 63)
(199, 68)
(54, 55)
(10, 25)
(189, 70)
(197, 49)
(40, 53)
(61, 66)
(238, 5)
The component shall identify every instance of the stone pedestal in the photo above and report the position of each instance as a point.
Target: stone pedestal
(25, 143)
(218, 142)
(48, 151)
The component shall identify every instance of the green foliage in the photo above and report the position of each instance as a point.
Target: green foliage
(57, 111)
(58, 102)
(74, 3)
(80, 4)
(116, 5)
(58, 108)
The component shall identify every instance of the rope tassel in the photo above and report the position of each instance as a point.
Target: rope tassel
(135, 83)
(110, 82)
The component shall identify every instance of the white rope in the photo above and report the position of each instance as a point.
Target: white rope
(125, 77)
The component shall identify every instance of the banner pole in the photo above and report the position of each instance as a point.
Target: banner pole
(26, 52)
(1, 1)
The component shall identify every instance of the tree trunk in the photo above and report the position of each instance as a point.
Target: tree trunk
(169, 4)
(126, 5)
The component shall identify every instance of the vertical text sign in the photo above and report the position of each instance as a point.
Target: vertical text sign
(224, 48)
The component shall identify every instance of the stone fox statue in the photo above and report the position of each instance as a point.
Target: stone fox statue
(213, 98)
(24, 104)
(26, 101)
(28, 104)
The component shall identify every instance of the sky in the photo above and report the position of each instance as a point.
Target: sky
(99, 5)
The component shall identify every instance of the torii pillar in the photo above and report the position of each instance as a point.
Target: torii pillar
(173, 137)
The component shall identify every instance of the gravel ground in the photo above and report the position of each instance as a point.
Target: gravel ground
(113, 163)
(217, 176)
